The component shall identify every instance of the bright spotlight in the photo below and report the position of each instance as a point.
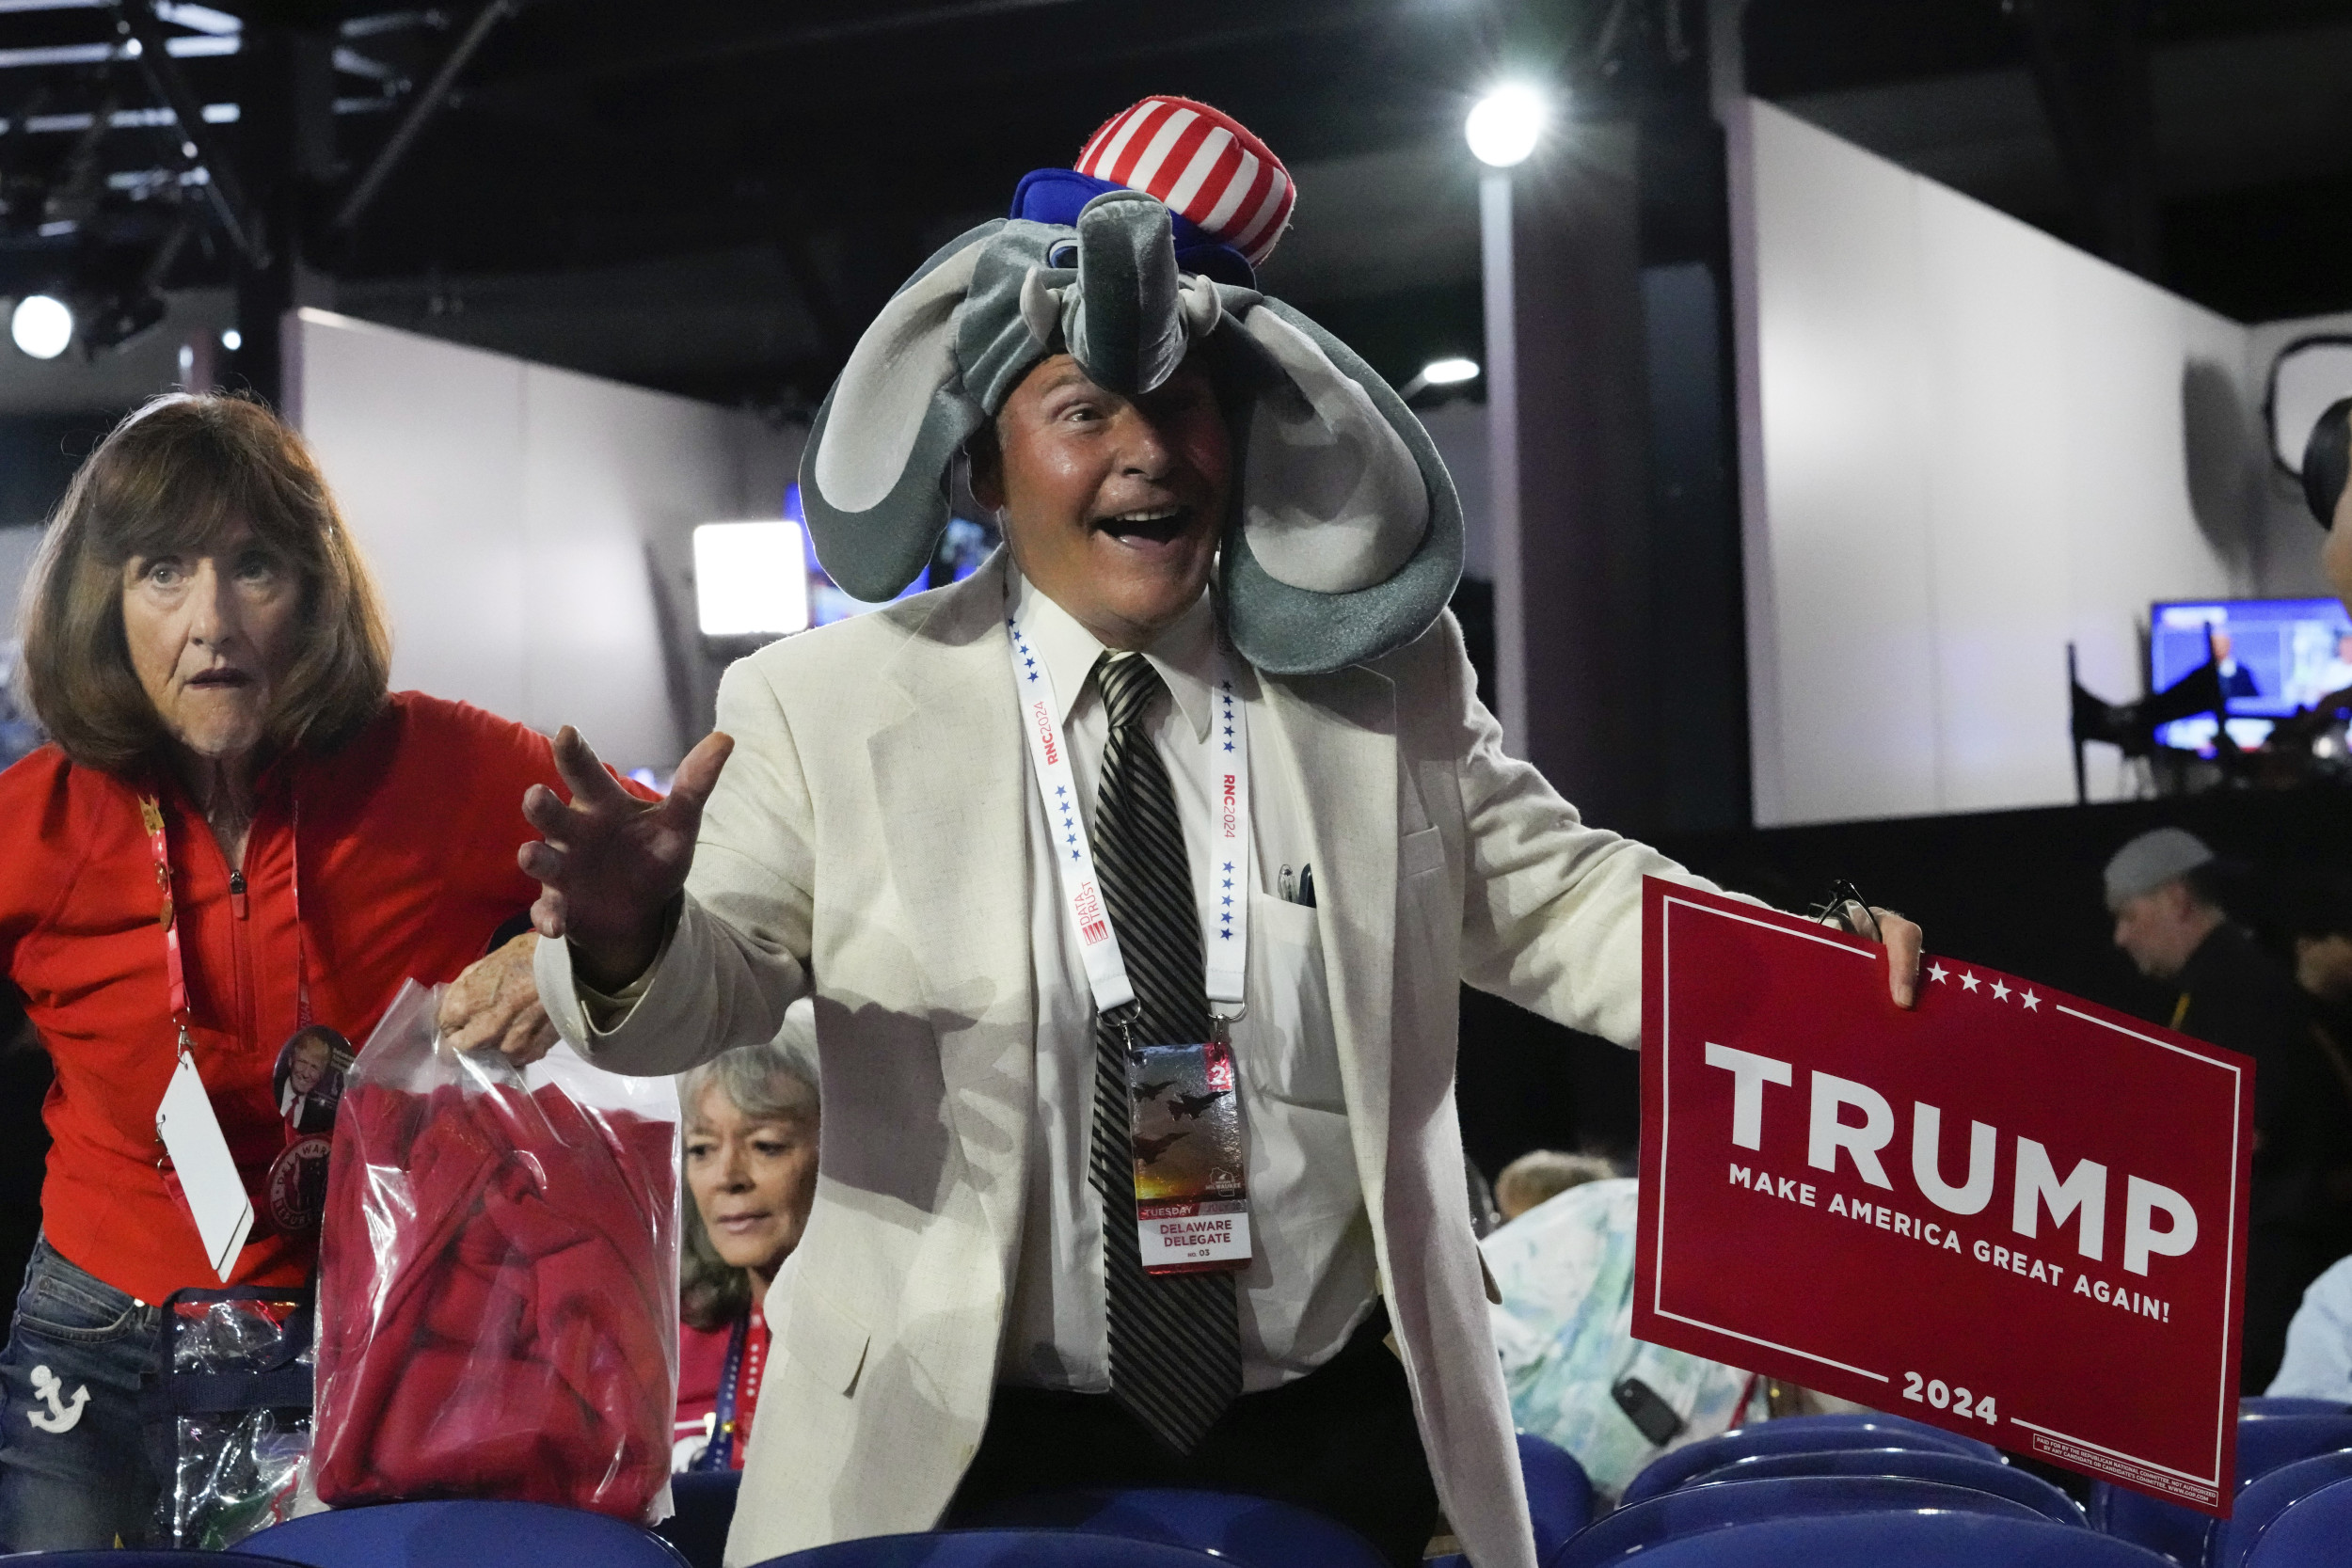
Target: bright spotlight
(1440, 372)
(751, 580)
(41, 325)
(232, 339)
(1506, 125)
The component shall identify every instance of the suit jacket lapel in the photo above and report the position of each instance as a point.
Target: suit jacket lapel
(1341, 732)
(950, 776)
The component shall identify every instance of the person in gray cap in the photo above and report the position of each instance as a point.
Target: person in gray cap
(1182, 805)
(2221, 986)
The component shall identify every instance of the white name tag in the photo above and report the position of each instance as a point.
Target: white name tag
(1192, 1191)
(1180, 1238)
(207, 1176)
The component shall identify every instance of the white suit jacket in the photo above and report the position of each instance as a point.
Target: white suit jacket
(867, 844)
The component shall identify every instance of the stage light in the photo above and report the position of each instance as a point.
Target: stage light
(1451, 372)
(1506, 125)
(232, 339)
(41, 325)
(751, 580)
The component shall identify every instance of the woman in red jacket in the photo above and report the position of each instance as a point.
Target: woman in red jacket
(213, 881)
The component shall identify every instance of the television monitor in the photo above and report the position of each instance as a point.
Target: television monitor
(2278, 657)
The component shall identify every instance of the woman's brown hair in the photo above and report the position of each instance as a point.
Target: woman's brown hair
(179, 476)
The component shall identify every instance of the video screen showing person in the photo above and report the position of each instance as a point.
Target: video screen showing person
(2278, 657)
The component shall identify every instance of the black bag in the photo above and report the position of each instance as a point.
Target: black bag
(227, 1411)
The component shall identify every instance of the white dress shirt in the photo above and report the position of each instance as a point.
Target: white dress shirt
(1310, 1278)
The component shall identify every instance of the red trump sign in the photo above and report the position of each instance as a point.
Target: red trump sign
(2008, 1213)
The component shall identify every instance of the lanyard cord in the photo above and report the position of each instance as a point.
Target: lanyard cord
(1226, 762)
(167, 916)
(738, 1389)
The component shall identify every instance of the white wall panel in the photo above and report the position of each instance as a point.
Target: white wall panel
(422, 442)
(607, 471)
(1973, 443)
(528, 525)
(1843, 412)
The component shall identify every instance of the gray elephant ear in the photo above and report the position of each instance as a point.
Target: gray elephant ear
(1346, 537)
(873, 478)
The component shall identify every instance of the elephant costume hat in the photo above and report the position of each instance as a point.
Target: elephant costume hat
(1344, 540)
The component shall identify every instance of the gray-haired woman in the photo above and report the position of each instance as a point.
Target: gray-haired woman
(751, 1119)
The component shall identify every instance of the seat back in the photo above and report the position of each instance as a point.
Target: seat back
(705, 1507)
(137, 1557)
(1558, 1493)
(2270, 1441)
(2231, 1540)
(1703, 1510)
(1952, 1470)
(1796, 1434)
(994, 1549)
(2178, 1532)
(2313, 1531)
(2258, 1406)
(1254, 1532)
(462, 1534)
(1900, 1540)
(2264, 1443)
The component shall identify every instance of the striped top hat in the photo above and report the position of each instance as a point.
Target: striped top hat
(1229, 194)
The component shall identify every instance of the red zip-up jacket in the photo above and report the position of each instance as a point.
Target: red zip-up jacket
(407, 869)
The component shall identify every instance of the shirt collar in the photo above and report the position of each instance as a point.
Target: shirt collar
(1184, 654)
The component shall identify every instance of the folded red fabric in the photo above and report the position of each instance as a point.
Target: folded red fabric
(492, 1283)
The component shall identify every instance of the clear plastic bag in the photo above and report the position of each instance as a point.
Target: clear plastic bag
(231, 1413)
(498, 1279)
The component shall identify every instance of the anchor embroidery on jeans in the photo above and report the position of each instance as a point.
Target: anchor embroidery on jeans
(59, 1417)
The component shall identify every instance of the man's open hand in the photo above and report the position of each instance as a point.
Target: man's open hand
(610, 862)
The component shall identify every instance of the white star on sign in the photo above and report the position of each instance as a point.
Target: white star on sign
(2033, 1003)
(1969, 981)
(2000, 991)
(1936, 973)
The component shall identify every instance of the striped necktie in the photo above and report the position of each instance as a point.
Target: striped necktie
(1174, 1340)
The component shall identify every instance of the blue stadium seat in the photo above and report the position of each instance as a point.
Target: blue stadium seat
(1797, 1435)
(461, 1535)
(2314, 1531)
(2267, 1442)
(705, 1507)
(142, 1557)
(1642, 1527)
(2254, 1406)
(995, 1548)
(2263, 1445)
(1952, 1470)
(2230, 1541)
(1558, 1493)
(1251, 1531)
(1931, 1540)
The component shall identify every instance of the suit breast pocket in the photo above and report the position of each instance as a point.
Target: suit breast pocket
(1284, 1043)
(1419, 853)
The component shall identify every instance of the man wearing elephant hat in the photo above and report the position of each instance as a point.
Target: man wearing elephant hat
(1134, 878)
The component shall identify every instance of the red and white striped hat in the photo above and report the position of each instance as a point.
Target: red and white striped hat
(1203, 163)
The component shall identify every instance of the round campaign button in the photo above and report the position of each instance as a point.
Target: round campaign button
(297, 1184)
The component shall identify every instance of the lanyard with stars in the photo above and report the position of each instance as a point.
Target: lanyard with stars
(1226, 762)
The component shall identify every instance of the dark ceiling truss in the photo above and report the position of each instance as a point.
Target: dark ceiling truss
(127, 162)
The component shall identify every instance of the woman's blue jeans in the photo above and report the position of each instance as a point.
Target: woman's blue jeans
(73, 1465)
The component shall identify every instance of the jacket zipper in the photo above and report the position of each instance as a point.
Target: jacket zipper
(236, 893)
